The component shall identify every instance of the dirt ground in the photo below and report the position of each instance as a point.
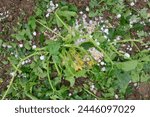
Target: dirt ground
(13, 11)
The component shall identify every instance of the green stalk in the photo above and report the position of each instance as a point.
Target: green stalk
(62, 21)
(50, 29)
(48, 75)
(124, 41)
(115, 50)
(31, 96)
(89, 92)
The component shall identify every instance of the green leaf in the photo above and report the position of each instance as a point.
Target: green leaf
(144, 13)
(123, 81)
(53, 47)
(71, 80)
(32, 23)
(135, 76)
(27, 45)
(81, 73)
(144, 77)
(128, 65)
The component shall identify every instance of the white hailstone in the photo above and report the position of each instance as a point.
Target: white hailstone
(23, 62)
(47, 15)
(27, 61)
(99, 60)
(130, 49)
(102, 63)
(116, 96)
(16, 55)
(146, 46)
(56, 5)
(34, 47)
(127, 55)
(70, 94)
(9, 46)
(21, 45)
(87, 9)
(118, 16)
(92, 87)
(148, 49)
(12, 74)
(105, 31)
(103, 69)
(34, 33)
(51, 3)
(132, 4)
(118, 38)
(42, 58)
(81, 12)
(135, 84)
(49, 10)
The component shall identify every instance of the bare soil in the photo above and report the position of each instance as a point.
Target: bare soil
(12, 12)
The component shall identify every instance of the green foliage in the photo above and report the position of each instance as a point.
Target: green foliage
(57, 68)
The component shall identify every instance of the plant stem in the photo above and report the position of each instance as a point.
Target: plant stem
(91, 93)
(50, 30)
(48, 75)
(62, 21)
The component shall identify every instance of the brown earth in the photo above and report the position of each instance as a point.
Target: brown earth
(11, 12)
